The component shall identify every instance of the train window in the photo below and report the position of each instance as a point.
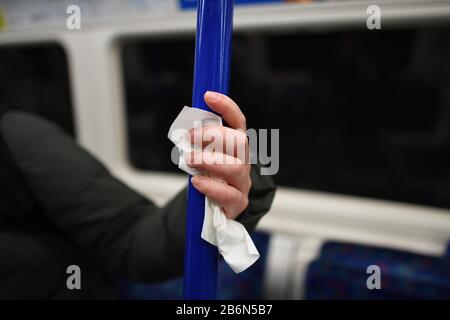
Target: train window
(34, 78)
(158, 82)
(361, 113)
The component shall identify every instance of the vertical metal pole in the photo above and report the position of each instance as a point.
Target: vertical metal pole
(211, 72)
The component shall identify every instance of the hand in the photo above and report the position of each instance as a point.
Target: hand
(226, 166)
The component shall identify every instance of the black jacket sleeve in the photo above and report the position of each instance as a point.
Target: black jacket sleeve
(118, 228)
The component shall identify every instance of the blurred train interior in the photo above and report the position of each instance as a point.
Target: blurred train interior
(364, 119)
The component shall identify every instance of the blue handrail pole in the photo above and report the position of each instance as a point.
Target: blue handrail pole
(211, 72)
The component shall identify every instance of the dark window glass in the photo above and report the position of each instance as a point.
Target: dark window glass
(34, 78)
(158, 82)
(359, 112)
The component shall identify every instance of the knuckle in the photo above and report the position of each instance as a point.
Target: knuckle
(249, 184)
(237, 169)
(244, 121)
(241, 138)
(245, 203)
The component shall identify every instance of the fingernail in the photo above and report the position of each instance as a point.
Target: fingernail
(211, 95)
(196, 180)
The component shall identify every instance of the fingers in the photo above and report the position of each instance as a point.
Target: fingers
(224, 155)
(217, 164)
(228, 197)
(227, 108)
(221, 139)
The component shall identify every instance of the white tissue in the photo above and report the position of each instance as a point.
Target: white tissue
(229, 236)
